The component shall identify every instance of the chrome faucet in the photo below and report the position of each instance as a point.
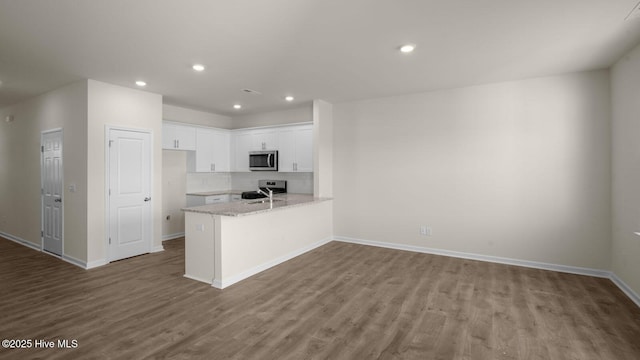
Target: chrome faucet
(269, 195)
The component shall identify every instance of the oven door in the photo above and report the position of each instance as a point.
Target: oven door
(263, 161)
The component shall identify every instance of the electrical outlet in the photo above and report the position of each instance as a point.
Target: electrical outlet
(425, 230)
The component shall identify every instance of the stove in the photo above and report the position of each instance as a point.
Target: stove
(277, 186)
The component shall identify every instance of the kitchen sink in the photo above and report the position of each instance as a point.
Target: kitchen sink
(262, 201)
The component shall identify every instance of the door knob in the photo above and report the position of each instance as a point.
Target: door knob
(58, 200)
(147, 199)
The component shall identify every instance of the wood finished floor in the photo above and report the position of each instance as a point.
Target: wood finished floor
(340, 301)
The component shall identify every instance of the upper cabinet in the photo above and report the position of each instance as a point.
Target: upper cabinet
(294, 144)
(241, 144)
(178, 137)
(212, 151)
(296, 149)
(264, 139)
(218, 150)
(244, 141)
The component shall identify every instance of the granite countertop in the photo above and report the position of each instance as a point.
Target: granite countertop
(255, 206)
(220, 192)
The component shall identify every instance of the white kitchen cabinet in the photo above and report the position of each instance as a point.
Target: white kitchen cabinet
(294, 143)
(199, 200)
(264, 139)
(178, 137)
(296, 149)
(242, 143)
(212, 151)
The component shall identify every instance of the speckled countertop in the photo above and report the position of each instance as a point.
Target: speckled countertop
(222, 192)
(256, 206)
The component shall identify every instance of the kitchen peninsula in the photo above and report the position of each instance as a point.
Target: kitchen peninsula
(229, 242)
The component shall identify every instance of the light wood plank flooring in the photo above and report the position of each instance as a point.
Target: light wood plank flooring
(340, 301)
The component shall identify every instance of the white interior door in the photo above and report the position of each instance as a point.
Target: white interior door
(129, 185)
(51, 174)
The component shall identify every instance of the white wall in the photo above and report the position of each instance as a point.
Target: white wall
(174, 187)
(118, 106)
(20, 208)
(291, 116)
(180, 114)
(625, 80)
(322, 149)
(518, 169)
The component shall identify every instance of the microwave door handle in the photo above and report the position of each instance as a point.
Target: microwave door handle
(269, 160)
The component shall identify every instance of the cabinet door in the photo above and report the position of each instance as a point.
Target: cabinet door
(205, 139)
(178, 137)
(216, 199)
(169, 136)
(264, 140)
(186, 136)
(221, 151)
(296, 149)
(212, 151)
(287, 149)
(304, 149)
(242, 144)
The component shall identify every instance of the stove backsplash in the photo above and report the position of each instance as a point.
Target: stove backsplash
(200, 182)
(297, 183)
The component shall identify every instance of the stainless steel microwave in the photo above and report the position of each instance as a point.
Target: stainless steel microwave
(263, 160)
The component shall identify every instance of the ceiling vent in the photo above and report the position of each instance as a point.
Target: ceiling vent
(251, 91)
(634, 13)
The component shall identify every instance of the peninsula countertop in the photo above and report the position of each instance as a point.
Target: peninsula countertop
(255, 206)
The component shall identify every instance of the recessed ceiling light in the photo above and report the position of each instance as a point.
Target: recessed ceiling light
(407, 48)
(289, 98)
(141, 83)
(237, 106)
(198, 67)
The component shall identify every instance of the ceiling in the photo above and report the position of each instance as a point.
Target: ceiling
(311, 49)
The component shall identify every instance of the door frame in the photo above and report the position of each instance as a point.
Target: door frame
(42, 134)
(107, 159)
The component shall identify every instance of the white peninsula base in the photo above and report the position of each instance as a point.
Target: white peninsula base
(222, 250)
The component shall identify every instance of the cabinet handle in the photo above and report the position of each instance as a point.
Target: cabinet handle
(213, 167)
(178, 143)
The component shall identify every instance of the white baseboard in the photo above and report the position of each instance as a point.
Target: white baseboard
(157, 248)
(625, 289)
(487, 258)
(221, 284)
(96, 263)
(208, 281)
(172, 236)
(74, 261)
